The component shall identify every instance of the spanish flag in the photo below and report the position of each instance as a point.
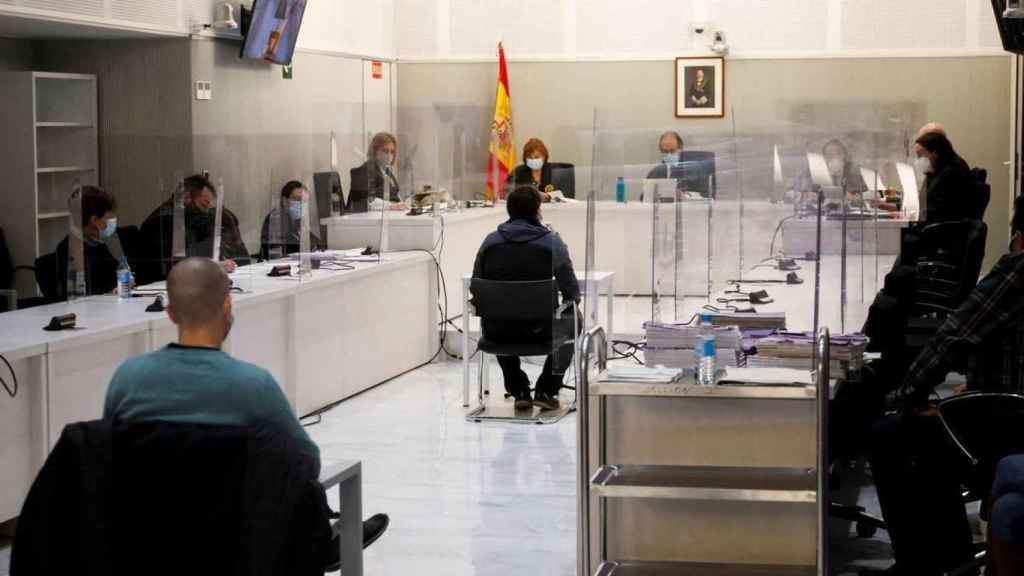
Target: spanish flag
(501, 157)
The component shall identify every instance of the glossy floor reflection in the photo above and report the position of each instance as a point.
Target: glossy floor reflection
(464, 498)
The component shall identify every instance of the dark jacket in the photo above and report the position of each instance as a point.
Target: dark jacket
(523, 250)
(284, 239)
(522, 175)
(948, 192)
(100, 269)
(165, 498)
(157, 235)
(367, 181)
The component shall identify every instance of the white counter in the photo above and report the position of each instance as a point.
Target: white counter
(324, 338)
(623, 240)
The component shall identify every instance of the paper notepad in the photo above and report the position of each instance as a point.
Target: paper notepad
(658, 374)
(766, 377)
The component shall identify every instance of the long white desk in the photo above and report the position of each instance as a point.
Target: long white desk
(324, 338)
(623, 240)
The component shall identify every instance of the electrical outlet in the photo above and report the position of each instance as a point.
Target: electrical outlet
(204, 90)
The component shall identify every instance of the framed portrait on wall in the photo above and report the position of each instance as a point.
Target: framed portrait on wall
(700, 87)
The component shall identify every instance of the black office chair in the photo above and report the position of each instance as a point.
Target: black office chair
(327, 184)
(521, 319)
(985, 428)
(982, 193)
(9, 299)
(699, 172)
(563, 177)
(947, 264)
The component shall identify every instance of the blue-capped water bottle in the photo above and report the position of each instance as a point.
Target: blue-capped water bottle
(124, 279)
(705, 351)
(620, 190)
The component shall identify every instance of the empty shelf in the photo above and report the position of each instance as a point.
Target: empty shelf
(64, 124)
(633, 568)
(56, 169)
(741, 484)
(52, 215)
(692, 390)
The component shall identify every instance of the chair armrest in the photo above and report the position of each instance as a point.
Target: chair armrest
(565, 307)
(337, 472)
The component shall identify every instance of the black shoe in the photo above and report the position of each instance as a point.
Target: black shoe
(373, 529)
(523, 401)
(546, 401)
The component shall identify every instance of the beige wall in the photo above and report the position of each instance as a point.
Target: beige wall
(876, 103)
(261, 130)
(145, 119)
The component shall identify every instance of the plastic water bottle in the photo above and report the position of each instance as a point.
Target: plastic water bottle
(124, 279)
(620, 190)
(705, 352)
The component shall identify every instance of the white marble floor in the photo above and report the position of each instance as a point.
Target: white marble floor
(464, 498)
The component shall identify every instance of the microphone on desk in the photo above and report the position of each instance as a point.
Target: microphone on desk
(61, 322)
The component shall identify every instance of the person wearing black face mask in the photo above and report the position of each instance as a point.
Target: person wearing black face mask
(376, 175)
(200, 216)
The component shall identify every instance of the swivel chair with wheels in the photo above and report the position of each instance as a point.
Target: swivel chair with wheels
(521, 319)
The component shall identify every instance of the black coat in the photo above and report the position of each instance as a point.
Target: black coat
(948, 192)
(100, 269)
(525, 250)
(522, 175)
(164, 498)
(284, 238)
(368, 181)
(157, 236)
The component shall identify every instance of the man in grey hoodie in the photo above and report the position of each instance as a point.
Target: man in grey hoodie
(523, 249)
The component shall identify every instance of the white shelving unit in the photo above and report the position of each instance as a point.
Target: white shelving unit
(52, 144)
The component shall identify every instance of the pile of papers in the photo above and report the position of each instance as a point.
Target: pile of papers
(767, 377)
(801, 345)
(750, 320)
(668, 335)
(671, 344)
(656, 375)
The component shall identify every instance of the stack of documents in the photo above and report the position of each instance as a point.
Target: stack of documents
(750, 320)
(673, 344)
(801, 345)
(668, 335)
(796, 349)
(656, 375)
(767, 377)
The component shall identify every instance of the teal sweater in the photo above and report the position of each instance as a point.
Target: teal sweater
(202, 386)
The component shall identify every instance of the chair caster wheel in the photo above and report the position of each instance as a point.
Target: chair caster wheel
(865, 530)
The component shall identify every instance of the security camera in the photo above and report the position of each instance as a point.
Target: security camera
(719, 45)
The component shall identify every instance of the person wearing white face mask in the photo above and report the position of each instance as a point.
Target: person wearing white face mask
(377, 174)
(535, 170)
(282, 228)
(99, 235)
(948, 184)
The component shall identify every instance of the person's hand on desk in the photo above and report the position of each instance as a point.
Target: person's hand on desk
(228, 266)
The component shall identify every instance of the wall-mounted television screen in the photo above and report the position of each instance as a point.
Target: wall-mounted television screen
(273, 28)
